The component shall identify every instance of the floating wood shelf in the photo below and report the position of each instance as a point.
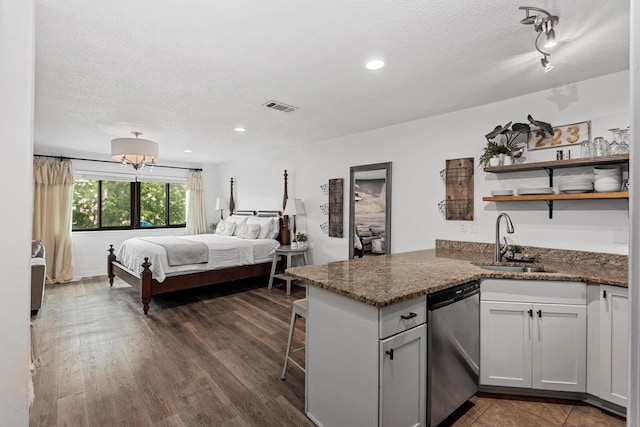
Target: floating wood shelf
(579, 196)
(560, 164)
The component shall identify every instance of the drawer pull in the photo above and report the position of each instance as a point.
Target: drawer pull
(390, 353)
(411, 315)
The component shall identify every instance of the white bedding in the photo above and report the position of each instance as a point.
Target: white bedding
(223, 252)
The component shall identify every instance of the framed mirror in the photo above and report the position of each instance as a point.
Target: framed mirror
(370, 210)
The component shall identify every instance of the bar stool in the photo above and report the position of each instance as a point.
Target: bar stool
(299, 310)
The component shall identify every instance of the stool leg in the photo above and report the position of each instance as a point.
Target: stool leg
(273, 270)
(294, 316)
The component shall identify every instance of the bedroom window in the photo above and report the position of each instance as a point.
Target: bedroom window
(108, 205)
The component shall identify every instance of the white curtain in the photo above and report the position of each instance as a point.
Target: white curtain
(52, 200)
(196, 220)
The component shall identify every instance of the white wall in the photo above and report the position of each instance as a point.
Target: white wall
(90, 248)
(16, 137)
(419, 149)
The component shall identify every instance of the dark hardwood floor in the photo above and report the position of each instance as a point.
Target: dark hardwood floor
(207, 357)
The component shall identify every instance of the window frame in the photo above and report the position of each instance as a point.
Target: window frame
(135, 209)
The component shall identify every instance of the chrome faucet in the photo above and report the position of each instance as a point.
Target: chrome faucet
(500, 249)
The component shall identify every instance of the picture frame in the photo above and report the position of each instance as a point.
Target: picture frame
(565, 135)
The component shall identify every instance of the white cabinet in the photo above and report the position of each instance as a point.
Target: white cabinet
(403, 378)
(350, 377)
(560, 347)
(505, 344)
(614, 344)
(528, 341)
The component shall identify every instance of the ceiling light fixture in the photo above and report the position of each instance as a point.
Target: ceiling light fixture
(546, 64)
(188, 151)
(374, 64)
(240, 129)
(136, 152)
(543, 23)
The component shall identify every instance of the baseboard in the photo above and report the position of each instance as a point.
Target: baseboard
(581, 397)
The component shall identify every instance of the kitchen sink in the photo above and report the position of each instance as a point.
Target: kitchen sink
(513, 268)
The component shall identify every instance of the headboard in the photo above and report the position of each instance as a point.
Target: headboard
(284, 237)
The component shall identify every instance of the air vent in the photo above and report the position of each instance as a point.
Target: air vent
(280, 106)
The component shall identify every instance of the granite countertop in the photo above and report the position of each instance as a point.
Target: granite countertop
(388, 279)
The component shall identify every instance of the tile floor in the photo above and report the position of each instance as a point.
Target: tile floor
(488, 410)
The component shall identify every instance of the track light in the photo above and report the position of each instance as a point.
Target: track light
(551, 39)
(543, 22)
(546, 64)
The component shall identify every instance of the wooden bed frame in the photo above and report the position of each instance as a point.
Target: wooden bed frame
(149, 286)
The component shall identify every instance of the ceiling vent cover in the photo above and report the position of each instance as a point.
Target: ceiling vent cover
(280, 106)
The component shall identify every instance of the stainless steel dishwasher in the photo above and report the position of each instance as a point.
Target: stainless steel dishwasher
(453, 353)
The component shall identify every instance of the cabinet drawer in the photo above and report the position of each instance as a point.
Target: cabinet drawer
(404, 315)
(533, 291)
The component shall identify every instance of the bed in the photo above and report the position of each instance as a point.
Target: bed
(145, 263)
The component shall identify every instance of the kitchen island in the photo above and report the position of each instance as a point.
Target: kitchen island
(365, 313)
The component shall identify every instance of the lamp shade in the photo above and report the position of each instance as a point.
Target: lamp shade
(221, 203)
(294, 207)
(134, 150)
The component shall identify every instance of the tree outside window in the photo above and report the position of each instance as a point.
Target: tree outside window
(104, 204)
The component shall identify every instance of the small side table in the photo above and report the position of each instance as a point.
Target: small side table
(289, 252)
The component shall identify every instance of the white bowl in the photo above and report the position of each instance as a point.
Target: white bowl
(606, 188)
(608, 180)
(607, 171)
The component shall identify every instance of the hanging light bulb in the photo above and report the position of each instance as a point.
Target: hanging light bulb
(546, 64)
(551, 36)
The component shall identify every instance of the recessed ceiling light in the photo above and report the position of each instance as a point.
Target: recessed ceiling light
(374, 64)
(188, 151)
(239, 129)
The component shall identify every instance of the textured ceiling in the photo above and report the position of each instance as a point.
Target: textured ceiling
(185, 73)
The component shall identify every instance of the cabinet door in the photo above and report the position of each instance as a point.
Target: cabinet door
(505, 343)
(560, 347)
(614, 344)
(403, 378)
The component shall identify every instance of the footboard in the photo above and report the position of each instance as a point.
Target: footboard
(144, 282)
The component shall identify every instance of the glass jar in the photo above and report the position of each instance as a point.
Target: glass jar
(600, 147)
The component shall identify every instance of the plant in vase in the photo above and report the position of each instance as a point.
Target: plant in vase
(213, 227)
(510, 140)
(517, 251)
(301, 239)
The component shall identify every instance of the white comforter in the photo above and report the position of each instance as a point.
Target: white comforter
(223, 252)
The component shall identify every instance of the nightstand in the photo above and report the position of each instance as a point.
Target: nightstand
(289, 252)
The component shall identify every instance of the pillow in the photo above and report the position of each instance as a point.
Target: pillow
(237, 220)
(248, 231)
(275, 228)
(266, 224)
(225, 228)
(36, 245)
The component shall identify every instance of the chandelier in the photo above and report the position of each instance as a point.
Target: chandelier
(136, 152)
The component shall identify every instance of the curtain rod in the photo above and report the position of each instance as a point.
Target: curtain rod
(112, 161)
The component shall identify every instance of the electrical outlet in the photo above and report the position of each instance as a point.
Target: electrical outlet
(473, 228)
(462, 227)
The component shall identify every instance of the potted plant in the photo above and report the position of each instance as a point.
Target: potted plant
(517, 251)
(493, 150)
(213, 227)
(301, 238)
(510, 139)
